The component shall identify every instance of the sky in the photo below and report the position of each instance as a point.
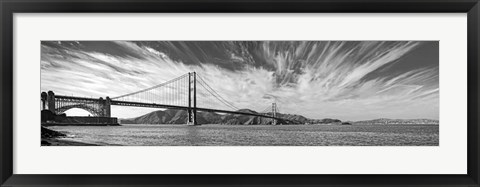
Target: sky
(346, 80)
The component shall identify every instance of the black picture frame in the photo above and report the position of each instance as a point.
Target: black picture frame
(9, 7)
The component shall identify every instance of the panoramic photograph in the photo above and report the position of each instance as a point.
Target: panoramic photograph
(239, 93)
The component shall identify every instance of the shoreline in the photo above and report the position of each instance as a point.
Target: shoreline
(59, 142)
(320, 124)
(79, 124)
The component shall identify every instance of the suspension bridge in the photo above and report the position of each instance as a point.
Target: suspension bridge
(188, 92)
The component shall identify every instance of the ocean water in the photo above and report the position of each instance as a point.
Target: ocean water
(255, 135)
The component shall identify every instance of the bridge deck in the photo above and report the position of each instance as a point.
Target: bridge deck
(77, 98)
(154, 105)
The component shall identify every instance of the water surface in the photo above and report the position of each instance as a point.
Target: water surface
(255, 135)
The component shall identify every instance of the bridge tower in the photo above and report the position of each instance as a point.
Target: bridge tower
(51, 101)
(192, 111)
(107, 107)
(274, 113)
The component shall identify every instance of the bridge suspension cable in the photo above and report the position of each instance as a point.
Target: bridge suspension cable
(172, 92)
(206, 90)
(268, 109)
(153, 87)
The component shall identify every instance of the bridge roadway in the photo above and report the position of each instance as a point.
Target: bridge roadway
(74, 98)
(154, 105)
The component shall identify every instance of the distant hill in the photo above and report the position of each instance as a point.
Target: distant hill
(385, 121)
(172, 116)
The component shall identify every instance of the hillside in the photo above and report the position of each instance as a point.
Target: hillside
(385, 121)
(171, 116)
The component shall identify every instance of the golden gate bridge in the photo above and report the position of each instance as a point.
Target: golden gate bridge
(188, 92)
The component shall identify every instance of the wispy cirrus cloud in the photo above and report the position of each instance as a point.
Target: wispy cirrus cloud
(337, 79)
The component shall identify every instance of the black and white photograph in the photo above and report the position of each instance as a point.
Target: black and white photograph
(239, 93)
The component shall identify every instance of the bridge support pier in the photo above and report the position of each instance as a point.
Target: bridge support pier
(274, 113)
(191, 117)
(58, 104)
(43, 97)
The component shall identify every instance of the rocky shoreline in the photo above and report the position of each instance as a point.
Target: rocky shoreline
(51, 138)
